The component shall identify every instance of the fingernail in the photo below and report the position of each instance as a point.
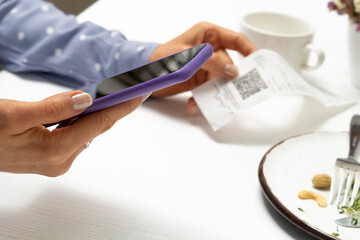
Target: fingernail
(194, 109)
(81, 101)
(230, 70)
(146, 97)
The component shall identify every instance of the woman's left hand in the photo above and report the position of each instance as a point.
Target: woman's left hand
(220, 64)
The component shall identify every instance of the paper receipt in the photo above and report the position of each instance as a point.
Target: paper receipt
(263, 74)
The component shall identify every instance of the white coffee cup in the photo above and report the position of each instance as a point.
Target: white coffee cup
(289, 36)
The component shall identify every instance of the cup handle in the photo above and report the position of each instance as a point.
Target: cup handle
(320, 57)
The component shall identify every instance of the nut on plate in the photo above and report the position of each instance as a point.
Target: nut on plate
(319, 199)
(321, 181)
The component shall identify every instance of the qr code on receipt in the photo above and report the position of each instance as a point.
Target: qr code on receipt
(249, 84)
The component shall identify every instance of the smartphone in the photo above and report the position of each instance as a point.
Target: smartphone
(148, 78)
(153, 76)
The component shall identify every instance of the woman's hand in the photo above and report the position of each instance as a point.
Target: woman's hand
(220, 64)
(26, 146)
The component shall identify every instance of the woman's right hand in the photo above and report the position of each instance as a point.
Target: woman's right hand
(26, 146)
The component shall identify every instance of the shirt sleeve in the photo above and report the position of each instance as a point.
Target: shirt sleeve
(37, 37)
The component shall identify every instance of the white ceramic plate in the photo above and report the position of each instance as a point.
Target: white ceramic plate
(289, 166)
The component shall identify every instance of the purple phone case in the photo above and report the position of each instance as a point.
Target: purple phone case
(154, 84)
(149, 86)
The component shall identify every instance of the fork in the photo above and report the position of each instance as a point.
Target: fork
(346, 177)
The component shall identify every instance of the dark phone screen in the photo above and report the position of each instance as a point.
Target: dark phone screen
(152, 70)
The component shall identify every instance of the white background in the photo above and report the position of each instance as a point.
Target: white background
(163, 174)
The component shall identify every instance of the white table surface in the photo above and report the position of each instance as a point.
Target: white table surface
(160, 173)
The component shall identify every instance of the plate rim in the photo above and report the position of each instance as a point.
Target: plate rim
(276, 203)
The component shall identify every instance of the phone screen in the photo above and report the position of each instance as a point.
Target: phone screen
(147, 72)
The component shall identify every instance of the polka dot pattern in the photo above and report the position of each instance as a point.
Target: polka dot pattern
(50, 30)
(21, 36)
(82, 37)
(92, 53)
(139, 49)
(58, 52)
(117, 56)
(45, 8)
(14, 11)
(97, 67)
(113, 34)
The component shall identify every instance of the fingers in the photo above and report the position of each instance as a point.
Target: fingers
(68, 142)
(60, 168)
(51, 153)
(228, 39)
(52, 168)
(236, 41)
(61, 106)
(220, 64)
(88, 127)
(192, 106)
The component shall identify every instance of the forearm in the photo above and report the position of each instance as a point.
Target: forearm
(37, 37)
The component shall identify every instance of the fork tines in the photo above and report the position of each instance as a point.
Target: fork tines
(345, 183)
(346, 180)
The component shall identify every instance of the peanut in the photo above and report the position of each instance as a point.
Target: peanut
(321, 181)
(319, 199)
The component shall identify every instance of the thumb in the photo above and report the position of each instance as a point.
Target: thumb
(52, 109)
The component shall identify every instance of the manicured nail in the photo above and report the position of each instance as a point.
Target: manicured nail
(81, 101)
(231, 70)
(194, 109)
(146, 97)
